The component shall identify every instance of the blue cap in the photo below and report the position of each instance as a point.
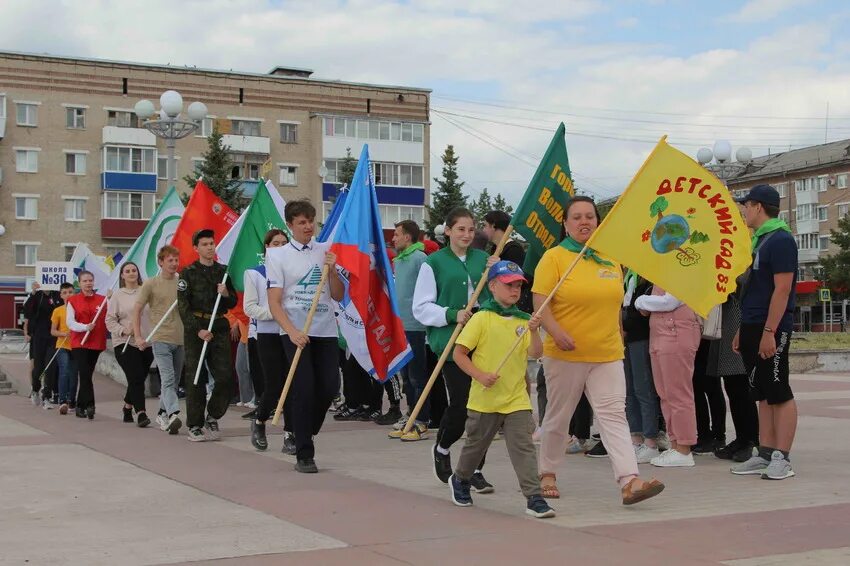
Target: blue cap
(506, 271)
(764, 194)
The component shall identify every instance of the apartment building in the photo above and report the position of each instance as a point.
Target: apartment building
(77, 165)
(813, 186)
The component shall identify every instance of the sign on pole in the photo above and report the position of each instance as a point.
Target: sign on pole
(825, 295)
(51, 274)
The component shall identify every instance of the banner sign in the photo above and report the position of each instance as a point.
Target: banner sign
(50, 274)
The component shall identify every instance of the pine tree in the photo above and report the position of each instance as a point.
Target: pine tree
(347, 168)
(447, 195)
(836, 266)
(499, 203)
(482, 205)
(216, 170)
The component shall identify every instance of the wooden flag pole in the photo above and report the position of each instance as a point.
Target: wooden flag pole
(445, 355)
(292, 367)
(209, 329)
(96, 316)
(162, 320)
(543, 306)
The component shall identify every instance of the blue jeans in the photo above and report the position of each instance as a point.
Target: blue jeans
(416, 373)
(169, 361)
(67, 376)
(641, 398)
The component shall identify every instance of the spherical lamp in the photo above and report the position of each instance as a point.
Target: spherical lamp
(722, 151)
(197, 111)
(744, 155)
(704, 155)
(171, 102)
(144, 109)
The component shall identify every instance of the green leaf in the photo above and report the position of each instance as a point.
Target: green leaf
(658, 206)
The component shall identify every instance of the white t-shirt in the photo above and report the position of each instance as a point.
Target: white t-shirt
(297, 269)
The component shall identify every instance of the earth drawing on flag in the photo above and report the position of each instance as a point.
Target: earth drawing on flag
(671, 232)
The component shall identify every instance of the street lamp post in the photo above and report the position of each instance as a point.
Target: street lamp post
(719, 160)
(170, 125)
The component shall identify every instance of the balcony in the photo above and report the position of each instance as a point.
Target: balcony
(411, 196)
(807, 256)
(807, 197)
(246, 144)
(114, 135)
(334, 147)
(136, 182)
(808, 226)
(111, 228)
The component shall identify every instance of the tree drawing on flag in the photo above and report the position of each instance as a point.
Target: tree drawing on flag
(672, 231)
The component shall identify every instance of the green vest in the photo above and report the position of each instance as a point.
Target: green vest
(452, 277)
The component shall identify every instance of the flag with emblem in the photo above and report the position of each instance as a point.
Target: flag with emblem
(242, 248)
(539, 216)
(204, 211)
(368, 315)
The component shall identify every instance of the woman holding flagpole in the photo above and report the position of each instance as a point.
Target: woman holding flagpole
(87, 324)
(583, 351)
(135, 362)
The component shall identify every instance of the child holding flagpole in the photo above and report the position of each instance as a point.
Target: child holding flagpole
(85, 319)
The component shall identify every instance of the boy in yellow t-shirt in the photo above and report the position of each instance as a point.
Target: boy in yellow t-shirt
(499, 401)
(66, 364)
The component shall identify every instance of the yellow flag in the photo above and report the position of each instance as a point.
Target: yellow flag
(266, 169)
(677, 225)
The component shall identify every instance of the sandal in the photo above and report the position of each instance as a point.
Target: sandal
(549, 490)
(650, 489)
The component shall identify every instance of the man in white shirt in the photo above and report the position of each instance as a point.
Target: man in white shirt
(293, 273)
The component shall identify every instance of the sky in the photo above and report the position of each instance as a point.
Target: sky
(766, 74)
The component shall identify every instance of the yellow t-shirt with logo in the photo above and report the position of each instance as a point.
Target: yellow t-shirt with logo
(587, 306)
(58, 317)
(489, 337)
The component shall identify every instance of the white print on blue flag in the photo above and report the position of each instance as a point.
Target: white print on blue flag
(368, 315)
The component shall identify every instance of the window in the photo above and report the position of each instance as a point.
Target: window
(289, 175)
(374, 130)
(75, 209)
(808, 241)
(75, 118)
(289, 133)
(801, 274)
(69, 251)
(122, 119)
(75, 163)
(406, 132)
(783, 215)
(362, 129)
(823, 212)
(418, 132)
(197, 163)
(384, 132)
(841, 181)
(130, 159)
(824, 243)
(26, 208)
(401, 175)
(245, 128)
(127, 206)
(2, 105)
(822, 183)
(392, 214)
(806, 212)
(26, 254)
(161, 169)
(782, 188)
(205, 127)
(26, 161)
(27, 114)
(800, 185)
(843, 210)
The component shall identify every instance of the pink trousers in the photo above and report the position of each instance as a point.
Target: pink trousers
(605, 387)
(672, 349)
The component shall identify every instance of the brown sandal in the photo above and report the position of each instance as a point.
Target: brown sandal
(549, 489)
(650, 489)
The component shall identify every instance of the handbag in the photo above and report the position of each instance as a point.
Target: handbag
(712, 325)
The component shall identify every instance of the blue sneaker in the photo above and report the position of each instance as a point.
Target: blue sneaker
(538, 508)
(460, 492)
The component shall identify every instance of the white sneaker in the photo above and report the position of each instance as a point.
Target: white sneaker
(673, 459)
(645, 454)
(250, 405)
(47, 405)
(402, 422)
(34, 397)
(162, 421)
(240, 404)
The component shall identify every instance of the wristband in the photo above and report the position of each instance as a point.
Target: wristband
(768, 330)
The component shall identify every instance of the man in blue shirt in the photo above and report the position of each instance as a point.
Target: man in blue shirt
(767, 310)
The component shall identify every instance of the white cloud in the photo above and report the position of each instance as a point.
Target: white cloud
(628, 23)
(545, 57)
(762, 10)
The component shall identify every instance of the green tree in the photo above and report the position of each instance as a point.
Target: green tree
(447, 194)
(836, 267)
(347, 168)
(216, 171)
(482, 205)
(499, 203)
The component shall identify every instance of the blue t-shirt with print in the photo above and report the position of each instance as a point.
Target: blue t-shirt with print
(778, 254)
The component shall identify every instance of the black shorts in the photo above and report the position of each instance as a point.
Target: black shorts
(769, 379)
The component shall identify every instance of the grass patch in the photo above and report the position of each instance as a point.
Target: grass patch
(820, 341)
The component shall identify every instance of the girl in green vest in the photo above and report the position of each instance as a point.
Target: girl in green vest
(445, 283)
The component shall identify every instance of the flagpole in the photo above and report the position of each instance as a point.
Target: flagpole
(445, 355)
(297, 357)
(162, 320)
(56, 353)
(542, 306)
(96, 316)
(124, 349)
(209, 329)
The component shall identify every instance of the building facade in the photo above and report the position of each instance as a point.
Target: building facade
(76, 164)
(813, 186)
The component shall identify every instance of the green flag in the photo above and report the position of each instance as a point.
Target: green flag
(540, 214)
(264, 213)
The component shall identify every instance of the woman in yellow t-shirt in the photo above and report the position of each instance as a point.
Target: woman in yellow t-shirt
(583, 352)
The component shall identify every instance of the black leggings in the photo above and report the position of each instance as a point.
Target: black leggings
(709, 403)
(255, 367)
(86, 360)
(275, 367)
(745, 415)
(136, 365)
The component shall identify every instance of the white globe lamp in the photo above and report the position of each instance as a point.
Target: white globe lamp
(171, 102)
(722, 151)
(144, 109)
(197, 111)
